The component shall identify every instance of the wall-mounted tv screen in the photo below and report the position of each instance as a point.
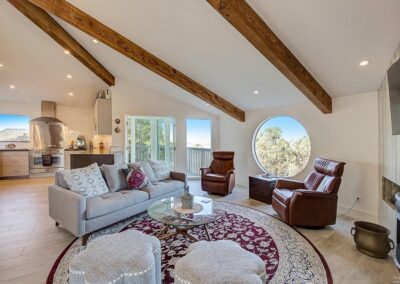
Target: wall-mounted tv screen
(394, 95)
(14, 128)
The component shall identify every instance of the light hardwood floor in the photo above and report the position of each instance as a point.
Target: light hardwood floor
(30, 243)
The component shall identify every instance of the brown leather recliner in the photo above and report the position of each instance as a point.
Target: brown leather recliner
(219, 178)
(312, 203)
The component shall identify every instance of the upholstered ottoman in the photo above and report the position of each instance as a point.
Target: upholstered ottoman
(219, 262)
(127, 257)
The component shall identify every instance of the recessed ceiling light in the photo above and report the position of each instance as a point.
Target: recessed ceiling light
(71, 94)
(95, 41)
(364, 63)
(256, 92)
(69, 76)
(1, 65)
(12, 87)
(208, 105)
(66, 51)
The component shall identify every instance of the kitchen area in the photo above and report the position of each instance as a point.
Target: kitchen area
(36, 147)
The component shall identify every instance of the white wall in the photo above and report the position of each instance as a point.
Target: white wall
(349, 134)
(132, 99)
(77, 120)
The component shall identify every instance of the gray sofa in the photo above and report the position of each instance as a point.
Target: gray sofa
(81, 215)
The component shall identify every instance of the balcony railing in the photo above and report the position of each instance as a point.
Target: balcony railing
(197, 158)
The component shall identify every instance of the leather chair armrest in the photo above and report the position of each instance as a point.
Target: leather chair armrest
(304, 193)
(179, 176)
(230, 172)
(289, 184)
(205, 171)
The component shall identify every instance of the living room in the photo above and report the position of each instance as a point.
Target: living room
(264, 130)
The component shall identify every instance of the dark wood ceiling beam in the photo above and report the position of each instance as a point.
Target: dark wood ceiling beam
(256, 31)
(113, 39)
(45, 22)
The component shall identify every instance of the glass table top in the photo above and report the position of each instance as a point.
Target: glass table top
(169, 212)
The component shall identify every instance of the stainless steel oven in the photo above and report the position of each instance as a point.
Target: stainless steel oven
(46, 161)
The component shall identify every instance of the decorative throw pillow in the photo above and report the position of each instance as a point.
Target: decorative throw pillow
(147, 170)
(161, 169)
(86, 181)
(114, 178)
(136, 178)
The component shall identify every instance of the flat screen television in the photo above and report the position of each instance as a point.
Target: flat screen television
(393, 75)
(14, 128)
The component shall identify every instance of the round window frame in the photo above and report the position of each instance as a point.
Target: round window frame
(254, 150)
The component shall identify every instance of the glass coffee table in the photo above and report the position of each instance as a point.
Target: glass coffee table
(169, 212)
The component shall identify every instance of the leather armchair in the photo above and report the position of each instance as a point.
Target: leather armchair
(219, 178)
(312, 203)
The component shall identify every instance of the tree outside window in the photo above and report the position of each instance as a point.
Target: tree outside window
(281, 146)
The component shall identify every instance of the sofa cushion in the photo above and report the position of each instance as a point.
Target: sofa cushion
(113, 201)
(214, 177)
(283, 195)
(115, 179)
(86, 181)
(161, 169)
(147, 169)
(163, 187)
(59, 179)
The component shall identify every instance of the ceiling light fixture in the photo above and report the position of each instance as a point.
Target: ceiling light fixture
(256, 92)
(208, 105)
(71, 94)
(69, 76)
(95, 41)
(364, 63)
(66, 51)
(1, 65)
(12, 87)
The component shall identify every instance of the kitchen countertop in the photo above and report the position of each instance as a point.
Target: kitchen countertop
(88, 152)
(16, 149)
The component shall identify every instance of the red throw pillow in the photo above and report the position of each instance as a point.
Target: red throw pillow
(136, 178)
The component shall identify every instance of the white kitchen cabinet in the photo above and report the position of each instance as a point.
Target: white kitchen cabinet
(14, 164)
(102, 117)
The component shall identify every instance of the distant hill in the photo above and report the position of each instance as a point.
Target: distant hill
(14, 134)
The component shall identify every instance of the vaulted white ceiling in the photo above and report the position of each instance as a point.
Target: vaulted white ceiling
(329, 37)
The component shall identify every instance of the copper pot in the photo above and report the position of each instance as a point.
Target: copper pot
(372, 239)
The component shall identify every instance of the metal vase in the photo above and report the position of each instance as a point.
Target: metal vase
(372, 239)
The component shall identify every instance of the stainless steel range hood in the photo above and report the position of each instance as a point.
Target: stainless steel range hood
(47, 131)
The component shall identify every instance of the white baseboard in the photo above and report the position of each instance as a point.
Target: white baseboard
(244, 183)
(358, 214)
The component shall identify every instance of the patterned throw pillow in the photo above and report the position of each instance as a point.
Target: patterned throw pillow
(147, 170)
(136, 178)
(86, 181)
(161, 169)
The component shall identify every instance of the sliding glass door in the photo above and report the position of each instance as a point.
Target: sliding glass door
(150, 138)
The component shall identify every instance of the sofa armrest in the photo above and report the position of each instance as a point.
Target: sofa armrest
(179, 176)
(205, 171)
(289, 184)
(67, 208)
(230, 172)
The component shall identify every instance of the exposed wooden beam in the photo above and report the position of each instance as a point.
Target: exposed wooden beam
(60, 35)
(256, 31)
(113, 39)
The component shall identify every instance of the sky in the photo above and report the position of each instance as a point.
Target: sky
(14, 121)
(291, 128)
(198, 131)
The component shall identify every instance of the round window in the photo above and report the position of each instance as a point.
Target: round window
(281, 146)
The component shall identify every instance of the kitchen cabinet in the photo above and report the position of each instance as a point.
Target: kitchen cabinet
(67, 157)
(14, 164)
(102, 117)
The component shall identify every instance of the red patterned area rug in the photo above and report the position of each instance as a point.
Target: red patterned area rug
(289, 257)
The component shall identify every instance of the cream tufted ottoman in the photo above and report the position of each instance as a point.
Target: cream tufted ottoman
(219, 262)
(127, 257)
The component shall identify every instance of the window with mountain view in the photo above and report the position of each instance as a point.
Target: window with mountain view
(281, 146)
(14, 128)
